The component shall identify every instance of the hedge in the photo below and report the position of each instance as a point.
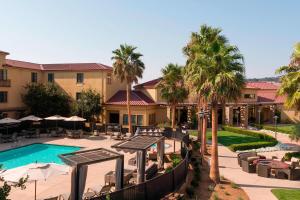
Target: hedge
(251, 145)
(261, 136)
(268, 140)
(289, 155)
(272, 128)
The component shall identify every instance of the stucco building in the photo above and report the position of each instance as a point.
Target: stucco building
(259, 102)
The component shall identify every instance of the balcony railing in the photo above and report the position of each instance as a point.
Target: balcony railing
(5, 83)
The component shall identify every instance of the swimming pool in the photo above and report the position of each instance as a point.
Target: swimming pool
(37, 152)
(166, 146)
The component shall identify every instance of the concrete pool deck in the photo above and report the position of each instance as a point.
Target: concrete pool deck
(62, 184)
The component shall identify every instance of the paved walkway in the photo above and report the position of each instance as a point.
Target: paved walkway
(256, 187)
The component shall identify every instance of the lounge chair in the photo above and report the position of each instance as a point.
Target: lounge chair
(244, 156)
(97, 191)
(150, 172)
(248, 166)
(9, 137)
(290, 174)
(263, 170)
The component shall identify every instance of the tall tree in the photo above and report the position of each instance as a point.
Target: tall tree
(128, 67)
(172, 87)
(216, 69)
(45, 100)
(290, 81)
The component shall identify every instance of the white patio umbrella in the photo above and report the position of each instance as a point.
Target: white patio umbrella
(31, 118)
(35, 172)
(55, 118)
(75, 119)
(9, 121)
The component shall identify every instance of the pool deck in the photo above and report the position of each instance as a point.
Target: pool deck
(62, 184)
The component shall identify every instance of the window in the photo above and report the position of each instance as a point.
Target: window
(135, 119)
(3, 97)
(50, 77)
(125, 119)
(152, 119)
(80, 77)
(3, 74)
(108, 79)
(78, 95)
(140, 120)
(249, 96)
(33, 77)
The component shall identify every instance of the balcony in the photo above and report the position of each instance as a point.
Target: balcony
(5, 83)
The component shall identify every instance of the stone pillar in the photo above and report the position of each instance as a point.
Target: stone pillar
(141, 162)
(229, 115)
(189, 115)
(244, 116)
(169, 116)
(160, 153)
(272, 114)
(119, 173)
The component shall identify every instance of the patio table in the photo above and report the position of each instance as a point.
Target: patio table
(275, 164)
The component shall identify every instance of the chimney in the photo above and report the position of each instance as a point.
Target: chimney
(3, 55)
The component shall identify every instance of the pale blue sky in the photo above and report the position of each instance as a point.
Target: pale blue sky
(52, 31)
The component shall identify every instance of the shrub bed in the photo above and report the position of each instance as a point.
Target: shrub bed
(279, 129)
(289, 155)
(267, 141)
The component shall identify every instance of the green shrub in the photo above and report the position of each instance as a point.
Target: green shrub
(251, 145)
(197, 176)
(216, 197)
(278, 129)
(261, 136)
(190, 191)
(211, 187)
(168, 169)
(233, 185)
(289, 155)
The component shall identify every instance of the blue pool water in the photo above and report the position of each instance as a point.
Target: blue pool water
(166, 146)
(44, 153)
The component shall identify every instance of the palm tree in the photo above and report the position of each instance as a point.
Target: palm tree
(172, 87)
(128, 67)
(216, 69)
(290, 81)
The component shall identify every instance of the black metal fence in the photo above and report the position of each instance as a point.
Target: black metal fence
(159, 186)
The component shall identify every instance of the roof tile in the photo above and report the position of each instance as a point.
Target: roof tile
(137, 98)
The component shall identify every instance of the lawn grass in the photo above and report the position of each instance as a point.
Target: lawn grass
(228, 138)
(286, 194)
(284, 128)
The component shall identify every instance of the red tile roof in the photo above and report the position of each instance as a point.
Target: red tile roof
(137, 98)
(58, 67)
(23, 64)
(75, 67)
(269, 96)
(149, 84)
(262, 85)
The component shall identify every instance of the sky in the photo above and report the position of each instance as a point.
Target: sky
(64, 31)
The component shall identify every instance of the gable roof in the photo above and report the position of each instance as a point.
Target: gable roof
(137, 98)
(58, 66)
(149, 84)
(262, 85)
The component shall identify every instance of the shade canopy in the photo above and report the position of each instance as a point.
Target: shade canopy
(75, 119)
(9, 121)
(55, 117)
(31, 118)
(35, 172)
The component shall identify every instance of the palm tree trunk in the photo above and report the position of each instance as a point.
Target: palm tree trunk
(214, 164)
(128, 107)
(200, 133)
(204, 129)
(173, 117)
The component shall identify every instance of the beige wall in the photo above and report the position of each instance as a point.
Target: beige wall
(135, 110)
(290, 116)
(19, 79)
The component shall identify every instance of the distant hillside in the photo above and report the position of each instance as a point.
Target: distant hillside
(269, 79)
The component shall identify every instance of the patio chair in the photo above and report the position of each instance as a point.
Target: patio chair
(60, 132)
(248, 166)
(263, 170)
(150, 172)
(244, 156)
(290, 174)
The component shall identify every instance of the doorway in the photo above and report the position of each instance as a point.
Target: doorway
(114, 117)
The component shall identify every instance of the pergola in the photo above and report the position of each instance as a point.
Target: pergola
(79, 160)
(139, 144)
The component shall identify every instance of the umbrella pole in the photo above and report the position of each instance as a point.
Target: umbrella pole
(34, 189)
